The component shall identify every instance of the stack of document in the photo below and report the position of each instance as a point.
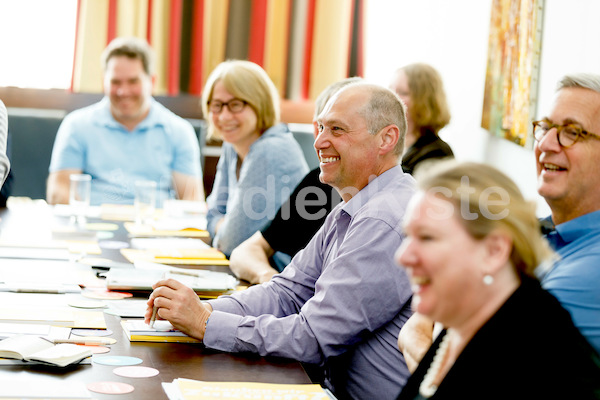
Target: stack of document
(189, 389)
(14, 329)
(208, 284)
(57, 316)
(209, 256)
(43, 388)
(162, 331)
(39, 287)
(140, 230)
(47, 249)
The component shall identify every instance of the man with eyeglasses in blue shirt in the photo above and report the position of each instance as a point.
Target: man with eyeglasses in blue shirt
(567, 148)
(567, 145)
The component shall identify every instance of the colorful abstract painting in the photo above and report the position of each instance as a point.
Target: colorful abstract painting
(513, 69)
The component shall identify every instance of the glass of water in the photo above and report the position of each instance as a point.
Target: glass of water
(144, 201)
(80, 192)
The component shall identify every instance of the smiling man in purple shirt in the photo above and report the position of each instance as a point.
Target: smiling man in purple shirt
(342, 301)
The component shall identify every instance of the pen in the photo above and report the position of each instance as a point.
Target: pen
(155, 310)
(38, 290)
(153, 317)
(83, 341)
(186, 273)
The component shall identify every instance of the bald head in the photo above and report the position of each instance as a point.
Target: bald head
(380, 107)
(361, 135)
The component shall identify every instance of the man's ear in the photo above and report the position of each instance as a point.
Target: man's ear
(389, 138)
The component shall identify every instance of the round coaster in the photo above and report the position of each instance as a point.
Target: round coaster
(110, 387)
(98, 349)
(136, 372)
(101, 226)
(104, 294)
(117, 360)
(91, 332)
(87, 304)
(113, 244)
(103, 235)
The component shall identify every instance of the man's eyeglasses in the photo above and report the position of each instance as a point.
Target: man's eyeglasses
(567, 134)
(235, 106)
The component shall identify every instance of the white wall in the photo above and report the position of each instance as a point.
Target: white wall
(453, 37)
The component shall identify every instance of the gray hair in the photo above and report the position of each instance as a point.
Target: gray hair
(580, 80)
(385, 108)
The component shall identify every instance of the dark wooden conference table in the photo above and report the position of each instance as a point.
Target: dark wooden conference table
(172, 360)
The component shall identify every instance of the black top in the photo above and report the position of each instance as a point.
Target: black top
(529, 349)
(301, 216)
(428, 146)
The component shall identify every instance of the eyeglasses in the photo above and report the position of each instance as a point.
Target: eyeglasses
(567, 134)
(234, 106)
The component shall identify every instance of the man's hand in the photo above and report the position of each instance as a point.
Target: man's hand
(179, 305)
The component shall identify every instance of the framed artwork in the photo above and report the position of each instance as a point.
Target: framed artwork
(512, 72)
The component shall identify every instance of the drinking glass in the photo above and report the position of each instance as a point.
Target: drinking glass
(80, 192)
(144, 201)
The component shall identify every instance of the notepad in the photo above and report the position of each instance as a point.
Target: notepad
(209, 256)
(35, 348)
(189, 389)
(56, 316)
(163, 331)
(138, 230)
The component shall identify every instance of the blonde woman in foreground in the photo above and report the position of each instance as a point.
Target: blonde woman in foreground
(472, 246)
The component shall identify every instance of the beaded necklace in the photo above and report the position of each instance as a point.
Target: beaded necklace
(427, 387)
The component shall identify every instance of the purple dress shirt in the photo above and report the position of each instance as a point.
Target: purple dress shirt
(340, 303)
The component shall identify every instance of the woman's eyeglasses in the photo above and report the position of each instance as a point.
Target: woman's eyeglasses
(234, 106)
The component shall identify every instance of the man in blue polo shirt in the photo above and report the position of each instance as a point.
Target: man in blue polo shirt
(566, 149)
(125, 137)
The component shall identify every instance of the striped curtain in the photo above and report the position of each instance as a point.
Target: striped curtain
(304, 45)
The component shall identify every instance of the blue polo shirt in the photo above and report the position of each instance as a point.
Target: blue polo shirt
(575, 278)
(91, 140)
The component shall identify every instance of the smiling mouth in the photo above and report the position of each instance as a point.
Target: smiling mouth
(417, 283)
(326, 160)
(552, 167)
(227, 128)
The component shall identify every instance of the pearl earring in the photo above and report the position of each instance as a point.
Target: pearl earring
(488, 279)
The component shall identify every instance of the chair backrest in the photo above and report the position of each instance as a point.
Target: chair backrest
(32, 134)
(200, 129)
(304, 135)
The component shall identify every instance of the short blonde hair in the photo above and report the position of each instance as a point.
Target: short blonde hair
(246, 81)
(516, 217)
(429, 107)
